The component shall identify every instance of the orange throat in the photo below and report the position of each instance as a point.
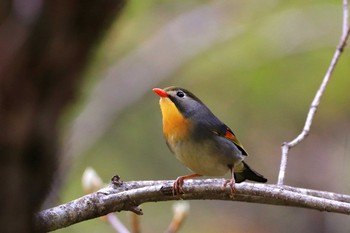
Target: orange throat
(175, 126)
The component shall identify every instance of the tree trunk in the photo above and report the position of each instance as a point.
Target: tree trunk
(44, 46)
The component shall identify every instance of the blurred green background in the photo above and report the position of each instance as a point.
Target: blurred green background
(256, 65)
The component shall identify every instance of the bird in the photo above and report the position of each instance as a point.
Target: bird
(200, 141)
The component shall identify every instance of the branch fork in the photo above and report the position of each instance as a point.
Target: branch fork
(286, 146)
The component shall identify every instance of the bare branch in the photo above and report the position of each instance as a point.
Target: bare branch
(345, 16)
(129, 195)
(286, 146)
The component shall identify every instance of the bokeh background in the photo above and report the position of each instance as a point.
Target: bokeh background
(256, 64)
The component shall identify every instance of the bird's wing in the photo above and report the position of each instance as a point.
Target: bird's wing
(213, 124)
(232, 137)
(223, 130)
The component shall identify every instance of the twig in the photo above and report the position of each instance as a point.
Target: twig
(128, 195)
(345, 16)
(321, 194)
(117, 225)
(181, 210)
(286, 146)
(135, 223)
(92, 182)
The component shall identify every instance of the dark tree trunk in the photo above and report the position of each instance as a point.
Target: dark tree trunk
(44, 46)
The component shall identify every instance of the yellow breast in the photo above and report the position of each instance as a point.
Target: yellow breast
(175, 126)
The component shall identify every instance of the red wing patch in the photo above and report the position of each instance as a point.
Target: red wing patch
(230, 135)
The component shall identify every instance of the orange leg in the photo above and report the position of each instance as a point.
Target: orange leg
(231, 182)
(177, 186)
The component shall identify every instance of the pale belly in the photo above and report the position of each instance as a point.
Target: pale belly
(210, 158)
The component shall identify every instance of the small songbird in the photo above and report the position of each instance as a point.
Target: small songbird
(200, 140)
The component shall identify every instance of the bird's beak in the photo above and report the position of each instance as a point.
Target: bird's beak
(160, 92)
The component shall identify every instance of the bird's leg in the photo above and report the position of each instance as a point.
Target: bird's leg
(177, 186)
(231, 182)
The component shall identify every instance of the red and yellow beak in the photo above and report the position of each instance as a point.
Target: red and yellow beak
(160, 92)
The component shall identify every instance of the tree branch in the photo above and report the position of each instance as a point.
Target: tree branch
(122, 196)
(286, 146)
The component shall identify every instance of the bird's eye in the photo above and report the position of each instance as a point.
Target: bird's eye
(180, 94)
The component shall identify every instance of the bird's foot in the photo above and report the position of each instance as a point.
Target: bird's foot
(231, 183)
(177, 186)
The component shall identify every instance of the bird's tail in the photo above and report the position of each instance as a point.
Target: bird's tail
(249, 174)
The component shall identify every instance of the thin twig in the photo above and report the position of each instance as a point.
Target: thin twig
(135, 223)
(117, 225)
(345, 16)
(92, 182)
(181, 210)
(286, 146)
